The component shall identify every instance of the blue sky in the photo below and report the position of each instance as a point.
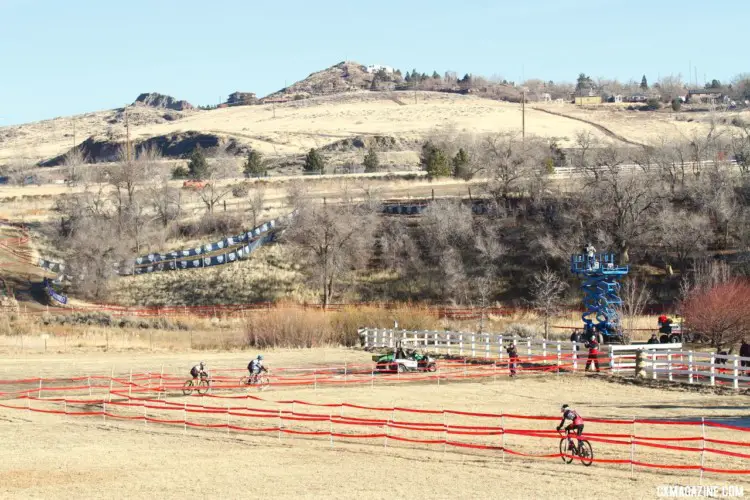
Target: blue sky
(67, 57)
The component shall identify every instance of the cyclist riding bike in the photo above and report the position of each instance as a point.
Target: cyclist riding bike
(199, 370)
(255, 367)
(575, 425)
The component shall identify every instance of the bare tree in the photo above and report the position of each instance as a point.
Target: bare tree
(73, 163)
(547, 289)
(683, 234)
(624, 205)
(330, 241)
(513, 164)
(256, 201)
(223, 166)
(166, 202)
(635, 297)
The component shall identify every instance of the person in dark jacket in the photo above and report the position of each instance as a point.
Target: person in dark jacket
(745, 353)
(654, 339)
(512, 359)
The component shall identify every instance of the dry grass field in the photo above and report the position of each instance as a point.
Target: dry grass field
(295, 127)
(88, 457)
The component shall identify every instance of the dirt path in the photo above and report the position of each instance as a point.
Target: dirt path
(599, 127)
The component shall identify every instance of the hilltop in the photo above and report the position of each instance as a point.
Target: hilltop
(336, 109)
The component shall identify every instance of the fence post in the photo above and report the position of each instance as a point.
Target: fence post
(184, 418)
(445, 432)
(89, 382)
(460, 344)
(544, 351)
(690, 367)
(736, 372)
(40, 388)
(559, 356)
(330, 420)
(654, 357)
(611, 358)
(279, 423)
(500, 347)
(574, 346)
(486, 338)
(669, 364)
(386, 426)
(502, 435)
(130, 382)
(703, 443)
(473, 346)
(632, 448)
(528, 348)
(712, 369)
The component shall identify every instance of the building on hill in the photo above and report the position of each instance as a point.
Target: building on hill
(703, 95)
(374, 68)
(586, 96)
(241, 98)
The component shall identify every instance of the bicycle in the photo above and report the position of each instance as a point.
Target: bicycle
(201, 386)
(260, 380)
(568, 450)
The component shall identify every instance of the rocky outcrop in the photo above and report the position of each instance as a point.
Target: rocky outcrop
(377, 142)
(156, 100)
(177, 145)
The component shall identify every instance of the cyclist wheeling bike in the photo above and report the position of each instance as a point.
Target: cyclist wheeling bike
(567, 447)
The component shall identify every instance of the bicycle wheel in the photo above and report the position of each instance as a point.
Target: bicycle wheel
(586, 453)
(203, 386)
(244, 380)
(565, 453)
(187, 389)
(263, 383)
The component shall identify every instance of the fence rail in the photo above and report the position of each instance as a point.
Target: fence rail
(619, 358)
(698, 368)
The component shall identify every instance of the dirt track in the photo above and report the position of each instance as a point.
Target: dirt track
(82, 456)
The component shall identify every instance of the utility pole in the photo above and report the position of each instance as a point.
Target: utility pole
(273, 105)
(127, 135)
(74, 133)
(523, 115)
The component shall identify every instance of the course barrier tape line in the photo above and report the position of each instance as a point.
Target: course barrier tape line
(386, 435)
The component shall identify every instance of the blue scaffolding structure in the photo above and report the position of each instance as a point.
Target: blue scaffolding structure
(601, 288)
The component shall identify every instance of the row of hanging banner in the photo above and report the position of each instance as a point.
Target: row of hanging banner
(62, 299)
(234, 248)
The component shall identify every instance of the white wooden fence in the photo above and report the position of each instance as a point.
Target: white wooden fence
(698, 368)
(618, 358)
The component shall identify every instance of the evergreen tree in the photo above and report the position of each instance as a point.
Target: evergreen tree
(435, 75)
(644, 83)
(434, 161)
(198, 166)
(314, 162)
(254, 166)
(461, 165)
(371, 161)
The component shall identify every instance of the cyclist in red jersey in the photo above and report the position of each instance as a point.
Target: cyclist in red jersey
(576, 420)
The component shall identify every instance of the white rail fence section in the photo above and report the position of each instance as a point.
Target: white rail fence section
(619, 358)
(698, 368)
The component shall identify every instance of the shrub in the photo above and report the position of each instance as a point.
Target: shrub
(676, 104)
(314, 162)
(520, 330)
(371, 161)
(180, 172)
(721, 312)
(651, 105)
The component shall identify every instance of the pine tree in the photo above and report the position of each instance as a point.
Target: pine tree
(371, 161)
(435, 75)
(434, 161)
(461, 165)
(254, 166)
(314, 162)
(644, 83)
(198, 166)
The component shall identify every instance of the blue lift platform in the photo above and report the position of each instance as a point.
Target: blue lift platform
(601, 287)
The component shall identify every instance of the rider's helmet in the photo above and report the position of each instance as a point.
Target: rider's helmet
(564, 407)
(260, 356)
(203, 363)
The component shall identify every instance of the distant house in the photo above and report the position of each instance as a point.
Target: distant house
(587, 96)
(617, 98)
(374, 68)
(703, 95)
(545, 97)
(242, 98)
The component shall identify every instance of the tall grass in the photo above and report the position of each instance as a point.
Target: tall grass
(316, 328)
